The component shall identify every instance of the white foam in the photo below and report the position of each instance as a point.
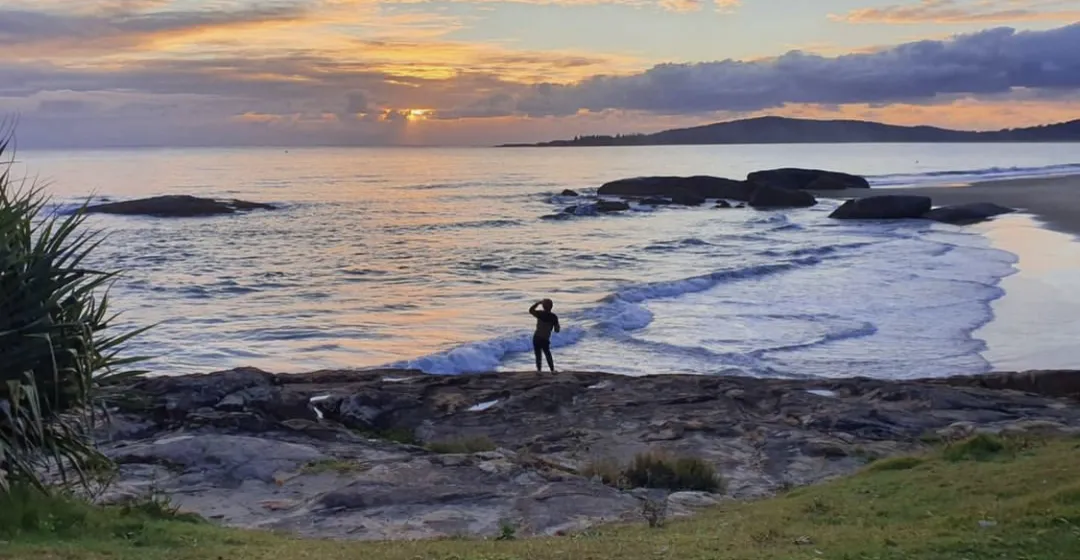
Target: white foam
(395, 379)
(822, 392)
(319, 398)
(485, 355)
(972, 175)
(483, 406)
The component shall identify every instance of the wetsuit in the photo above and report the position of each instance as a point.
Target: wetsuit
(546, 321)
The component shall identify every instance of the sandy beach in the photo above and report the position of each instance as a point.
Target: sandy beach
(1053, 200)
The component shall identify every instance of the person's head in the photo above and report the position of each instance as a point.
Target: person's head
(547, 303)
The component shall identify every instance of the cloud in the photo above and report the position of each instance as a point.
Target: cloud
(954, 11)
(989, 62)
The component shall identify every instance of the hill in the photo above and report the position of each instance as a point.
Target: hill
(783, 130)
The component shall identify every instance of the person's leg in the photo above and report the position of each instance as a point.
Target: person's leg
(550, 360)
(537, 350)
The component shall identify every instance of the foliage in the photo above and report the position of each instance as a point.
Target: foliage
(656, 469)
(54, 357)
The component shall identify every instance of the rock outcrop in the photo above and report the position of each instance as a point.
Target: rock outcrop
(700, 186)
(773, 197)
(177, 206)
(568, 192)
(967, 214)
(808, 179)
(346, 454)
(883, 207)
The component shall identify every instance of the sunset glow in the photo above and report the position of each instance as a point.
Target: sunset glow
(178, 72)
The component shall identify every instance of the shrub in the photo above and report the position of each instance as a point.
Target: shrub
(462, 445)
(55, 359)
(982, 447)
(655, 469)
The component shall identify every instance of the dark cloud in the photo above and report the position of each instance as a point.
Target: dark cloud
(989, 62)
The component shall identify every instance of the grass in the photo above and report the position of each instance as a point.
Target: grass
(462, 445)
(656, 469)
(1017, 503)
(342, 466)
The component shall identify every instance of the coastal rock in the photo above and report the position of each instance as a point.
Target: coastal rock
(702, 186)
(772, 197)
(608, 206)
(687, 198)
(722, 204)
(808, 179)
(568, 192)
(344, 474)
(656, 201)
(177, 206)
(966, 214)
(883, 207)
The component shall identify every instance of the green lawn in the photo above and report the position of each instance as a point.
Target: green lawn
(978, 500)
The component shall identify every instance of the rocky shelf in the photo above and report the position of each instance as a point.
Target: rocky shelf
(350, 454)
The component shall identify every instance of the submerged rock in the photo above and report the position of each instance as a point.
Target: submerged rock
(966, 214)
(772, 197)
(568, 192)
(883, 207)
(177, 206)
(808, 179)
(359, 469)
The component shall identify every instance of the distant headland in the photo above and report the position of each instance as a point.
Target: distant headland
(783, 130)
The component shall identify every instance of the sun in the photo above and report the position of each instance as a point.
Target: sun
(417, 114)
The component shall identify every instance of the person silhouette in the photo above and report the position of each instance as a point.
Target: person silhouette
(546, 321)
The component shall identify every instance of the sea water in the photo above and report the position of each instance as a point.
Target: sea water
(430, 259)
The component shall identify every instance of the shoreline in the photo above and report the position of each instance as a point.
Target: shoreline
(1036, 322)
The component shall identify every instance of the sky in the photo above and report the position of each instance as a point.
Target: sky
(118, 73)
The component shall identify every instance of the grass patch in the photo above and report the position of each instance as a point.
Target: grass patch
(656, 469)
(982, 447)
(462, 445)
(332, 465)
(1015, 506)
(896, 464)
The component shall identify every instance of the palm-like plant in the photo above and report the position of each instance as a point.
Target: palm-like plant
(54, 358)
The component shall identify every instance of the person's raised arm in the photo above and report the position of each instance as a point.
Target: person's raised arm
(532, 310)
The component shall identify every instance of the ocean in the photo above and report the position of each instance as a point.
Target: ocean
(429, 258)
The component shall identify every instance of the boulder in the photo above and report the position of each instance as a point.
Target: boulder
(702, 186)
(964, 214)
(608, 206)
(177, 206)
(884, 207)
(656, 201)
(687, 198)
(568, 192)
(809, 179)
(773, 197)
(722, 204)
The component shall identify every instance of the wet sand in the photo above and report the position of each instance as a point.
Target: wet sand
(1055, 201)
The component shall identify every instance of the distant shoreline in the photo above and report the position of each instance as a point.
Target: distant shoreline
(783, 130)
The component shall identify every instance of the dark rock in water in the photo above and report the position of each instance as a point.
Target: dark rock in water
(740, 205)
(702, 186)
(608, 206)
(569, 192)
(965, 214)
(177, 206)
(722, 204)
(773, 197)
(656, 201)
(687, 198)
(884, 207)
(808, 179)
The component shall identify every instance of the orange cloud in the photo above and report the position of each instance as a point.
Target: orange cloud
(954, 11)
